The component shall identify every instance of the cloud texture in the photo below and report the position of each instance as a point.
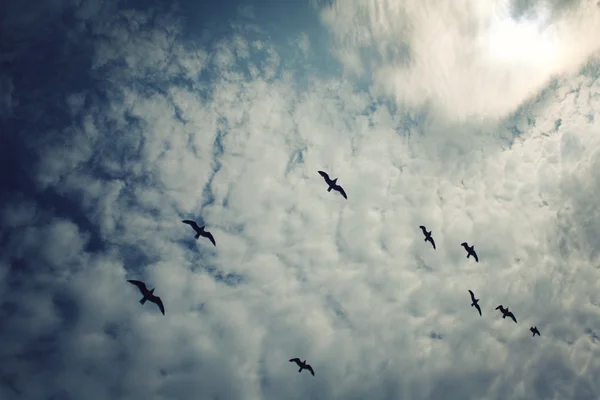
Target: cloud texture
(468, 59)
(228, 131)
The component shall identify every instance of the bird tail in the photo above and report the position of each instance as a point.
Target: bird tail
(197, 235)
(142, 301)
(330, 187)
(300, 370)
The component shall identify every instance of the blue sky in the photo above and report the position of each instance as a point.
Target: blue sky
(478, 119)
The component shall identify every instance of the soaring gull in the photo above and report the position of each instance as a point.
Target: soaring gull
(427, 236)
(200, 230)
(148, 295)
(475, 302)
(303, 365)
(506, 313)
(470, 250)
(332, 184)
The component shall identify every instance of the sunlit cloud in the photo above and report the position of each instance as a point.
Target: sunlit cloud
(468, 59)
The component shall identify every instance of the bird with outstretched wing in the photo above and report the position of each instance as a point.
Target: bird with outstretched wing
(332, 184)
(200, 231)
(148, 295)
(427, 236)
(475, 302)
(303, 365)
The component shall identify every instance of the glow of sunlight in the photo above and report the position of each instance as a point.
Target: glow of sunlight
(529, 42)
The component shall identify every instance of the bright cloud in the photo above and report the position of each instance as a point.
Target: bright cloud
(469, 59)
(228, 134)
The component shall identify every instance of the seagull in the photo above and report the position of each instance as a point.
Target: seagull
(200, 231)
(506, 313)
(332, 184)
(303, 365)
(470, 250)
(534, 330)
(474, 304)
(427, 236)
(148, 295)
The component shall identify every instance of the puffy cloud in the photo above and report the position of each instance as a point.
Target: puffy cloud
(224, 133)
(469, 59)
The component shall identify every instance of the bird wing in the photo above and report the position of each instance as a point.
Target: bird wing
(325, 176)
(140, 285)
(209, 236)
(156, 300)
(538, 332)
(424, 230)
(432, 242)
(312, 371)
(475, 255)
(193, 224)
(478, 308)
(500, 308)
(510, 314)
(341, 190)
(297, 361)
(472, 296)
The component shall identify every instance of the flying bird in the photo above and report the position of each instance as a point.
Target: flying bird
(148, 295)
(475, 301)
(506, 313)
(470, 250)
(332, 184)
(200, 231)
(427, 236)
(534, 330)
(303, 365)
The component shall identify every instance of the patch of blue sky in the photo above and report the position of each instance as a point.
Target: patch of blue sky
(218, 151)
(203, 263)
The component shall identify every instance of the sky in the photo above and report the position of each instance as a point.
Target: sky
(479, 119)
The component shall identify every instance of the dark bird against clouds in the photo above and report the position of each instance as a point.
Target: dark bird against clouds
(303, 365)
(506, 313)
(200, 231)
(475, 302)
(332, 184)
(427, 236)
(470, 250)
(534, 330)
(148, 295)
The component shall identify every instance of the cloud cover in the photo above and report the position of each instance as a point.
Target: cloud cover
(469, 59)
(228, 132)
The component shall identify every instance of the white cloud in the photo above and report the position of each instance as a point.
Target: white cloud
(469, 59)
(348, 285)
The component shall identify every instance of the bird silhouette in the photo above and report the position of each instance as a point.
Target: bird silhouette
(475, 301)
(534, 330)
(427, 236)
(200, 231)
(303, 365)
(506, 313)
(332, 184)
(470, 250)
(148, 295)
